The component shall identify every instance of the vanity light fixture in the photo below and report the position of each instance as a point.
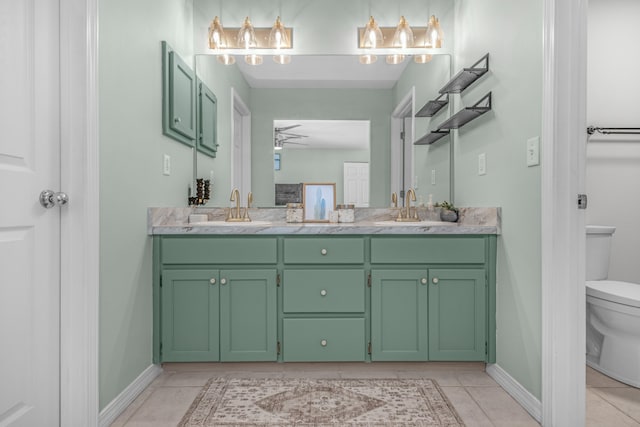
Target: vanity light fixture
(246, 39)
(278, 39)
(218, 41)
(403, 39)
(434, 36)
(371, 39)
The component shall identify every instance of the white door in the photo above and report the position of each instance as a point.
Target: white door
(237, 152)
(356, 184)
(29, 233)
(241, 155)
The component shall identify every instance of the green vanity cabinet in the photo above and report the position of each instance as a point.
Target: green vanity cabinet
(190, 320)
(399, 306)
(457, 314)
(216, 299)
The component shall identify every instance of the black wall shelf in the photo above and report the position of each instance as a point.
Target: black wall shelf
(431, 137)
(467, 76)
(467, 114)
(432, 107)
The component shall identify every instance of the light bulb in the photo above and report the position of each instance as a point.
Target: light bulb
(372, 35)
(247, 35)
(217, 38)
(403, 37)
(434, 35)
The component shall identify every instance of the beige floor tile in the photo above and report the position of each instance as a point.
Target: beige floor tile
(476, 379)
(625, 399)
(601, 413)
(501, 408)
(443, 378)
(187, 379)
(164, 407)
(466, 407)
(137, 403)
(598, 379)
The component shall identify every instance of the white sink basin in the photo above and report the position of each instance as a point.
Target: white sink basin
(231, 223)
(392, 223)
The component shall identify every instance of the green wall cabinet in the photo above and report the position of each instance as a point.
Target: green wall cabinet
(207, 120)
(399, 308)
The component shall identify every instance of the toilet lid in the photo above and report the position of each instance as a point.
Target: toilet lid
(619, 292)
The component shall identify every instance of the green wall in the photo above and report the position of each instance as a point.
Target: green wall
(319, 104)
(131, 180)
(512, 33)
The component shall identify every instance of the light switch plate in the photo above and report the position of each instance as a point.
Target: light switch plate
(533, 151)
(482, 164)
(166, 165)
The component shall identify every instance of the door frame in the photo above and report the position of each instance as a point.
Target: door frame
(237, 104)
(405, 108)
(80, 219)
(562, 224)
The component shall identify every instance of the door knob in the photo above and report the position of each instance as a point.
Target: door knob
(223, 281)
(423, 281)
(212, 281)
(49, 199)
(435, 280)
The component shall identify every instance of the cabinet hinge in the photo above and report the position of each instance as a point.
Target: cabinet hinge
(160, 281)
(369, 280)
(486, 347)
(278, 347)
(369, 348)
(278, 279)
(160, 350)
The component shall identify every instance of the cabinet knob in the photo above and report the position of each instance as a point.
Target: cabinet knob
(323, 292)
(323, 343)
(323, 251)
(212, 281)
(423, 281)
(435, 280)
(223, 281)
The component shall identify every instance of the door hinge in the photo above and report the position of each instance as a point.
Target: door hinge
(486, 347)
(278, 280)
(278, 347)
(160, 281)
(402, 135)
(369, 348)
(582, 201)
(160, 351)
(369, 280)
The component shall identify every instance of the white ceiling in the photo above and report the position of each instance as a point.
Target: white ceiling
(322, 71)
(328, 134)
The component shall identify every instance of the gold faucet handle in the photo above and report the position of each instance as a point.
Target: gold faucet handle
(246, 210)
(394, 199)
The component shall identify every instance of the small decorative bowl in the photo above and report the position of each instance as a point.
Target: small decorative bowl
(448, 215)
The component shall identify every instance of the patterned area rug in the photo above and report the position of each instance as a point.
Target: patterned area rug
(225, 402)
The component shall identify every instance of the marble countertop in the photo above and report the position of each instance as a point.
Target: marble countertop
(271, 221)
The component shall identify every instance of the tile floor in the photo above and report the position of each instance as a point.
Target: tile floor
(479, 400)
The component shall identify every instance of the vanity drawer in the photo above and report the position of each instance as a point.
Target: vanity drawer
(323, 340)
(436, 250)
(336, 250)
(324, 291)
(213, 250)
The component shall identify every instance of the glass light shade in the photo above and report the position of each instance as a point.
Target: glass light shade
(372, 36)
(368, 59)
(253, 59)
(217, 38)
(247, 35)
(434, 34)
(422, 59)
(282, 59)
(403, 37)
(226, 59)
(395, 59)
(278, 38)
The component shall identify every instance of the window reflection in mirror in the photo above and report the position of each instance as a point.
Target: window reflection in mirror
(352, 95)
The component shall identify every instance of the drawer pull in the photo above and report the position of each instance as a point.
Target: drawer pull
(223, 281)
(423, 281)
(323, 293)
(212, 281)
(323, 343)
(435, 280)
(323, 251)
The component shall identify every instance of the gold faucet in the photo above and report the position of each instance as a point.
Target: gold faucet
(404, 214)
(246, 210)
(239, 216)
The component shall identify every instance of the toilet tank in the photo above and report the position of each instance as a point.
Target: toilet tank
(598, 250)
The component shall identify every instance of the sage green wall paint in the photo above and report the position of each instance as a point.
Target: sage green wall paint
(512, 33)
(131, 180)
(427, 79)
(309, 165)
(268, 105)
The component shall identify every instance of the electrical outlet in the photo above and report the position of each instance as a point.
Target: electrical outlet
(482, 164)
(166, 165)
(433, 177)
(533, 151)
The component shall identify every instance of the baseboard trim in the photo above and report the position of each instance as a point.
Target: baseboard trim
(527, 400)
(117, 406)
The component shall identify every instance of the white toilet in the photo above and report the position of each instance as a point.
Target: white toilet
(613, 313)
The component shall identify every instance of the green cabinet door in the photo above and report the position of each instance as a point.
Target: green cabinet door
(399, 314)
(207, 120)
(248, 315)
(179, 92)
(457, 315)
(190, 322)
